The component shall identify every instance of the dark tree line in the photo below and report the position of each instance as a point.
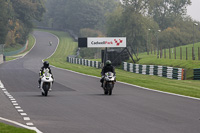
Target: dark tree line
(84, 17)
(139, 20)
(16, 18)
(146, 21)
(77, 14)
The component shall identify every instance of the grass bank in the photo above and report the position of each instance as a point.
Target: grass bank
(68, 47)
(11, 129)
(13, 48)
(188, 65)
(31, 42)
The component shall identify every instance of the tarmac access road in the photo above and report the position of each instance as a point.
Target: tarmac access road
(77, 104)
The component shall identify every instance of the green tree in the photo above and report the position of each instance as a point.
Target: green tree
(132, 25)
(5, 14)
(25, 11)
(16, 18)
(165, 12)
(134, 17)
(114, 23)
(75, 15)
(136, 6)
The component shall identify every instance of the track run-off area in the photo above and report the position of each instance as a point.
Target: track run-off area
(77, 104)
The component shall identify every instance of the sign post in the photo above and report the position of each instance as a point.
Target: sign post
(104, 42)
(2, 51)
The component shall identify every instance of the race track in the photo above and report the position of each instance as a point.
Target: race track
(77, 103)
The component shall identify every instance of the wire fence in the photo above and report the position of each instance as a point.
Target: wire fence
(181, 53)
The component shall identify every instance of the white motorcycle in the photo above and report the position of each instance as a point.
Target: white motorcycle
(46, 83)
(108, 83)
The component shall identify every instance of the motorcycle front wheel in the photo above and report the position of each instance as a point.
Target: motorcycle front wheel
(110, 87)
(46, 88)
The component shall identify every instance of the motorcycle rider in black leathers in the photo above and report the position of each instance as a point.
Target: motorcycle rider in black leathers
(42, 71)
(107, 68)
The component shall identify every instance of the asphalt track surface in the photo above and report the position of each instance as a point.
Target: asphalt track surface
(77, 103)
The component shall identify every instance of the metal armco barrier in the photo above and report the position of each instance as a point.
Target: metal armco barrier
(84, 62)
(15, 52)
(162, 71)
(1, 58)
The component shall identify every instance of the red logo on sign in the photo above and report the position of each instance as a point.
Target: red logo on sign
(118, 43)
(109, 42)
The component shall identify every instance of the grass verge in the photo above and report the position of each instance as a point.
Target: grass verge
(185, 87)
(31, 42)
(4, 128)
(188, 65)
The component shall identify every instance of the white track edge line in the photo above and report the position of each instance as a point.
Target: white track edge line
(2, 86)
(16, 106)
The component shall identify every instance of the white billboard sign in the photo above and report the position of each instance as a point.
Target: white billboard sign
(117, 42)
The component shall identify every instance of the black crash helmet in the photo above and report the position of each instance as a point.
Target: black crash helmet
(108, 63)
(46, 64)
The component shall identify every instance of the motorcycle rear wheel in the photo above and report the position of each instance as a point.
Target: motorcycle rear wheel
(110, 92)
(46, 93)
(105, 92)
